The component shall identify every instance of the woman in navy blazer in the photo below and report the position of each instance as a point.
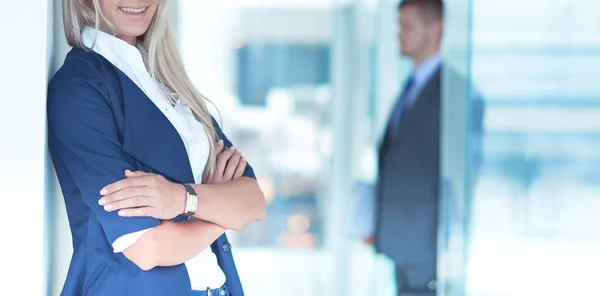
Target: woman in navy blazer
(125, 167)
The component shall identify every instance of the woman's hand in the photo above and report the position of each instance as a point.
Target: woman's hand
(230, 165)
(143, 194)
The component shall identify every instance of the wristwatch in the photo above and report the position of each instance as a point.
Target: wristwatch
(191, 201)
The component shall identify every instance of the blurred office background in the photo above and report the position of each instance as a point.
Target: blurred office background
(304, 89)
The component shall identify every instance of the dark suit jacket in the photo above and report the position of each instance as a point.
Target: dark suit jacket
(407, 193)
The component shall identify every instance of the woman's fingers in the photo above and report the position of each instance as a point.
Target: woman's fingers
(241, 167)
(232, 164)
(133, 179)
(219, 168)
(138, 212)
(220, 146)
(229, 164)
(124, 194)
(133, 202)
(222, 160)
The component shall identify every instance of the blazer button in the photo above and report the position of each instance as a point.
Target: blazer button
(226, 247)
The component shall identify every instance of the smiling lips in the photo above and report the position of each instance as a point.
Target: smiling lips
(133, 10)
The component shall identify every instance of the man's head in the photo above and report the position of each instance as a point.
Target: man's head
(421, 26)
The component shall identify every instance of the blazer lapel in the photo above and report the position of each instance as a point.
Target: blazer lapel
(150, 137)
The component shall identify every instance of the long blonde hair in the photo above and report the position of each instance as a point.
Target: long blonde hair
(163, 59)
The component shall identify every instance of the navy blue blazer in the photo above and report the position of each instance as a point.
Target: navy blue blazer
(100, 124)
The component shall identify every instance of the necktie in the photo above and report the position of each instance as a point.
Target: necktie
(401, 104)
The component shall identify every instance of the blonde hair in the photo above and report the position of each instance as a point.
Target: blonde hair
(162, 59)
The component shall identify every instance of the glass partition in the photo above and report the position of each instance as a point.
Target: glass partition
(532, 228)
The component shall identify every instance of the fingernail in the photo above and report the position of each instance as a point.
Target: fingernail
(122, 213)
(107, 207)
(102, 201)
(127, 171)
(103, 192)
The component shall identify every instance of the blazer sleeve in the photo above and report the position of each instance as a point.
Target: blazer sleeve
(249, 171)
(85, 147)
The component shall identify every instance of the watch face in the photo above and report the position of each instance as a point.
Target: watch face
(191, 204)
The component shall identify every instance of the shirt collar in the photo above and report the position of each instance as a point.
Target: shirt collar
(425, 70)
(110, 47)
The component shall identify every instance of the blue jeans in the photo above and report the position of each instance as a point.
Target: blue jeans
(214, 292)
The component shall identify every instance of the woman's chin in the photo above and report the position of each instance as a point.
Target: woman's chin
(131, 34)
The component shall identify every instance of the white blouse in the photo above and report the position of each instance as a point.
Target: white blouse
(204, 270)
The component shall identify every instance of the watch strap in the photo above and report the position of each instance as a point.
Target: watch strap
(190, 189)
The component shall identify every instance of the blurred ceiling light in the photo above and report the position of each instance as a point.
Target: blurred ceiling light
(298, 224)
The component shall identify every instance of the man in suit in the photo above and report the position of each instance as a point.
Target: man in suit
(407, 191)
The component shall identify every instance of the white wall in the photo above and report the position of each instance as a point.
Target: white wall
(23, 78)
(60, 242)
